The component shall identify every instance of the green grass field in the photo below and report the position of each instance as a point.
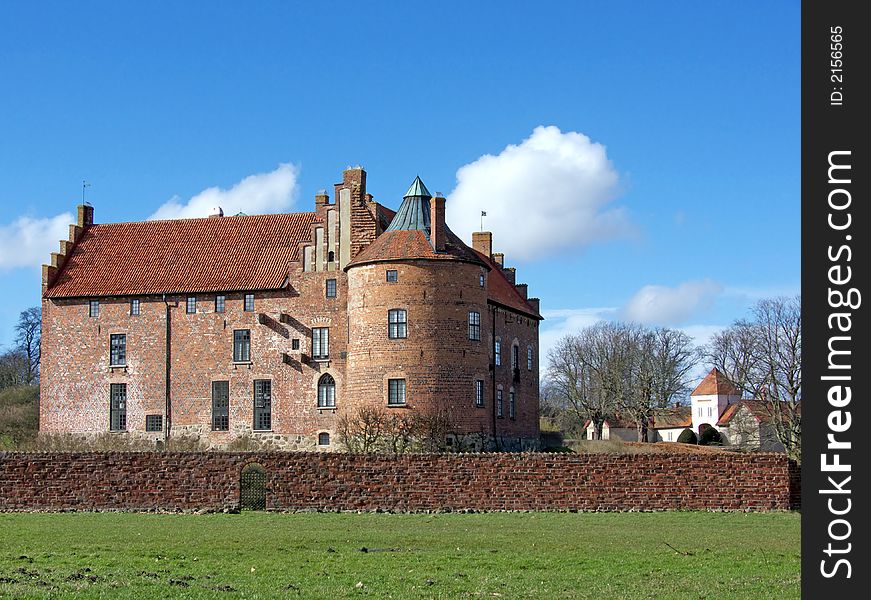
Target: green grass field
(609, 556)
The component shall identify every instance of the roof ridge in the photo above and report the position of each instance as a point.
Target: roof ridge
(206, 218)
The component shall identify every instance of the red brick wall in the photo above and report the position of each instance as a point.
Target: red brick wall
(76, 373)
(437, 359)
(137, 481)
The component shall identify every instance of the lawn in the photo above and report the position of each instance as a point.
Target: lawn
(315, 555)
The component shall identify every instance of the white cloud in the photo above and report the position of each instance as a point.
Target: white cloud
(547, 194)
(29, 242)
(271, 192)
(661, 305)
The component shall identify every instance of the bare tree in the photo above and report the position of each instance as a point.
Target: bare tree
(584, 371)
(762, 356)
(372, 429)
(659, 370)
(620, 367)
(13, 368)
(27, 341)
(362, 429)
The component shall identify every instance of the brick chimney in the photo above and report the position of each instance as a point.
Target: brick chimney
(482, 241)
(86, 215)
(437, 233)
(498, 258)
(523, 288)
(509, 273)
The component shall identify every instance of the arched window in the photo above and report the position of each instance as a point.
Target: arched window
(326, 391)
(323, 439)
(331, 257)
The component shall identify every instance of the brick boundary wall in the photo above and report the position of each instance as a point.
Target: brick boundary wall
(333, 481)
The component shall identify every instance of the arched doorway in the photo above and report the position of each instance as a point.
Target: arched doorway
(252, 487)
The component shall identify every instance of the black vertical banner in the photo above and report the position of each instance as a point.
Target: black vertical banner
(836, 562)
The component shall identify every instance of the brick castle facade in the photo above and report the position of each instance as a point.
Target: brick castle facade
(275, 325)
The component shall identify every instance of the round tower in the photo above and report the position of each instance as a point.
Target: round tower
(418, 320)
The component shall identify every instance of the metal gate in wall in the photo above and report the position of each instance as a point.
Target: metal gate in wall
(252, 488)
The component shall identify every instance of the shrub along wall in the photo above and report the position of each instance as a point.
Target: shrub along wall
(334, 481)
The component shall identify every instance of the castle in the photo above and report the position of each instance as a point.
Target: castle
(273, 326)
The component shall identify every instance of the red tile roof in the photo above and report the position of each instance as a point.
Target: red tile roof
(715, 383)
(501, 291)
(672, 418)
(408, 244)
(758, 408)
(185, 255)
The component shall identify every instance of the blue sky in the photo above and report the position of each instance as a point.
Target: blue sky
(648, 152)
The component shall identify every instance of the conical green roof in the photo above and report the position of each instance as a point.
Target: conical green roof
(417, 189)
(414, 211)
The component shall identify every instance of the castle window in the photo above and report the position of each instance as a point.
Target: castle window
(263, 404)
(515, 356)
(710, 411)
(117, 349)
(512, 405)
(323, 439)
(499, 411)
(481, 279)
(94, 308)
(475, 326)
(220, 405)
(249, 302)
(331, 288)
(700, 411)
(118, 407)
(153, 422)
(397, 324)
(395, 392)
(392, 275)
(669, 436)
(498, 352)
(220, 303)
(479, 393)
(294, 344)
(191, 306)
(320, 343)
(242, 345)
(327, 391)
(529, 358)
(134, 306)
(331, 256)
